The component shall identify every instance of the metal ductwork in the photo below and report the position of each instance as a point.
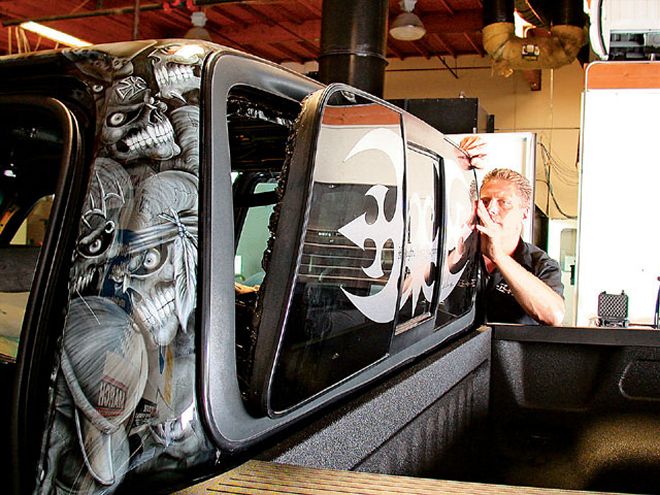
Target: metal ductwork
(510, 52)
(353, 43)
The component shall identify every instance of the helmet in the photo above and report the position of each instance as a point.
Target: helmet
(104, 363)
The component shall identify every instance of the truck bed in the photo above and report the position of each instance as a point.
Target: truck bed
(562, 408)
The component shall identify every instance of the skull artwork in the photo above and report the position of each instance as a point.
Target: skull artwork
(177, 69)
(185, 120)
(159, 275)
(136, 125)
(110, 190)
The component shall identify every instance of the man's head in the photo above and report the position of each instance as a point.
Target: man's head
(507, 196)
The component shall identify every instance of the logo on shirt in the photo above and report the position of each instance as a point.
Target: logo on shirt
(503, 288)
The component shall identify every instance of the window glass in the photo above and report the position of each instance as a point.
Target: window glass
(32, 231)
(31, 147)
(420, 252)
(344, 299)
(460, 269)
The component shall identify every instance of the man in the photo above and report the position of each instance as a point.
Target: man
(523, 285)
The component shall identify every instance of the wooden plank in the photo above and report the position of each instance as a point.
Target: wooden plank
(623, 75)
(267, 478)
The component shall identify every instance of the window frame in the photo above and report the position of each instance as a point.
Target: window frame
(233, 425)
(47, 294)
(422, 339)
(224, 415)
(304, 164)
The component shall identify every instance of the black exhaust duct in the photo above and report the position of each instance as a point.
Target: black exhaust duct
(569, 12)
(536, 12)
(353, 42)
(498, 11)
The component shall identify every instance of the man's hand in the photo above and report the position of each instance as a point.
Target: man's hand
(534, 296)
(244, 289)
(492, 240)
(475, 152)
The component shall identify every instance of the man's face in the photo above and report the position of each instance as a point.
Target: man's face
(505, 206)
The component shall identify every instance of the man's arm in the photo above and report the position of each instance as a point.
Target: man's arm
(535, 297)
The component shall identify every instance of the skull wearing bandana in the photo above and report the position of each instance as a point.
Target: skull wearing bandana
(159, 275)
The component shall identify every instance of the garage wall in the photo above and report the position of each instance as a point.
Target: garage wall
(553, 113)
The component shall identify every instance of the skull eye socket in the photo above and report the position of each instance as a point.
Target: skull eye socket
(148, 261)
(117, 118)
(96, 245)
(98, 241)
(151, 259)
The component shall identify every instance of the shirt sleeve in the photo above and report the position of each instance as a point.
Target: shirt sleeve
(547, 270)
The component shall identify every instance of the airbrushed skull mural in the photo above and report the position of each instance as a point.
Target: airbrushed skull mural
(136, 125)
(109, 192)
(159, 273)
(123, 397)
(177, 69)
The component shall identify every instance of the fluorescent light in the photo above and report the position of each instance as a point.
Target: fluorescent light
(53, 34)
(407, 27)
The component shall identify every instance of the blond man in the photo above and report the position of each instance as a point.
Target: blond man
(522, 283)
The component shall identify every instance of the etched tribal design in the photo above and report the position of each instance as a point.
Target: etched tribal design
(380, 307)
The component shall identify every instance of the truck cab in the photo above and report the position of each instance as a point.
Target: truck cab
(202, 250)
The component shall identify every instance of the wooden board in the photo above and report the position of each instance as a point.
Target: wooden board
(623, 75)
(268, 478)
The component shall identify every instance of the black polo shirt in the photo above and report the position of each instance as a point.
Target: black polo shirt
(500, 305)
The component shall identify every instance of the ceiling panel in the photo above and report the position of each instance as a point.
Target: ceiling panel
(280, 30)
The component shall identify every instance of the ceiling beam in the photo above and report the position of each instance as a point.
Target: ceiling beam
(291, 17)
(446, 6)
(311, 30)
(311, 7)
(444, 44)
(476, 47)
(290, 54)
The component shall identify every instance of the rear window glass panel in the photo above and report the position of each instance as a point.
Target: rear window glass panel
(422, 237)
(344, 299)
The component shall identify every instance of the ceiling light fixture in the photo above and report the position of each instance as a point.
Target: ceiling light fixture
(407, 26)
(198, 31)
(53, 34)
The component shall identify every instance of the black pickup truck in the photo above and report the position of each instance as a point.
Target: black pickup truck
(344, 329)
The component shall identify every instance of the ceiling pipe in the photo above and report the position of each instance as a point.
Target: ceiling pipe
(136, 20)
(353, 43)
(509, 52)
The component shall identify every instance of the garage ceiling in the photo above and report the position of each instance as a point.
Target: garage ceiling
(278, 30)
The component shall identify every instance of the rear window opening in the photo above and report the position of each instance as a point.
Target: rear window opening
(259, 126)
